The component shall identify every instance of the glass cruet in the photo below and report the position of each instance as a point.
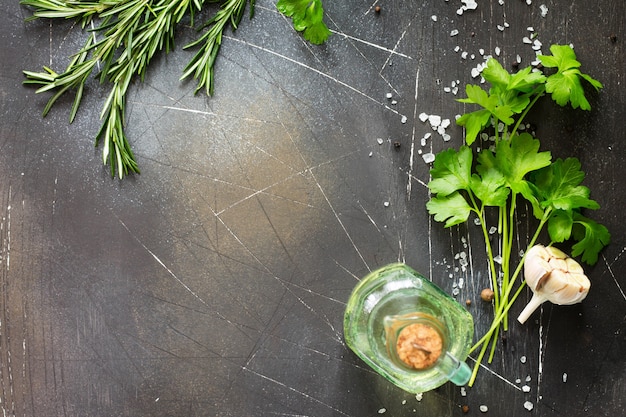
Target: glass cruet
(408, 330)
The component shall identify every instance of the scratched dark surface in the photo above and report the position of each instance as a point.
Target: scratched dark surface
(214, 283)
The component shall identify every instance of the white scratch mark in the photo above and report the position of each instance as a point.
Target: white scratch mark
(8, 236)
(303, 394)
(608, 267)
(343, 227)
(323, 74)
(160, 262)
(393, 51)
(512, 384)
(373, 45)
(412, 156)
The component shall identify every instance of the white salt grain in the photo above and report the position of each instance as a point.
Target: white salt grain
(483, 408)
(428, 157)
(528, 405)
(526, 388)
(564, 377)
(423, 117)
(419, 396)
(526, 40)
(434, 18)
(389, 95)
(403, 120)
(380, 141)
(522, 359)
(382, 411)
(497, 50)
(434, 120)
(454, 32)
(544, 10)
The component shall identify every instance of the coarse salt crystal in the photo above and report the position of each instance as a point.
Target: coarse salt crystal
(445, 123)
(389, 95)
(475, 72)
(564, 377)
(483, 408)
(419, 396)
(470, 4)
(434, 120)
(522, 359)
(464, 54)
(423, 117)
(528, 405)
(544, 10)
(429, 157)
(380, 141)
(526, 388)
(454, 32)
(526, 40)
(500, 28)
(403, 120)
(497, 50)
(434, 18)
(382, 411)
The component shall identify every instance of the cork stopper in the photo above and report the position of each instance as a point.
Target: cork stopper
(419, 345)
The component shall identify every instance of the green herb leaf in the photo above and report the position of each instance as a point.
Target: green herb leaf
(490, 188)
(452, 209)
(474, 123)
(565, 85)
(451, 171)
(307, 16)
(560, 225)
(558, 186)
(591, 236)
(517, 157)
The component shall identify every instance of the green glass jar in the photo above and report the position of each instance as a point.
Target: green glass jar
(408, 330)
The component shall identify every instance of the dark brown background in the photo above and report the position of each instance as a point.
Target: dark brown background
(214, 283)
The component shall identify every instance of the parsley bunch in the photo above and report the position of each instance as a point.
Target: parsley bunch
(476, 182)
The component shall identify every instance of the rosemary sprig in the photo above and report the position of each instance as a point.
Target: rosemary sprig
(201, 65)
(128, 35)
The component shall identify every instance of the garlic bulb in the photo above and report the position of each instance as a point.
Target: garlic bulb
(552, 276)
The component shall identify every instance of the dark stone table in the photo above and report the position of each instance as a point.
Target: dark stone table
(214, 283)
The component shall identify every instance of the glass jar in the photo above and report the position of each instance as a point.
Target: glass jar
(408, 330)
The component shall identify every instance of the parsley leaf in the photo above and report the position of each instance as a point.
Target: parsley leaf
(307, 16)
(452, 209)
(591, 236)
(565, 85)
(490, 188)
(558, 185)
(451, 171)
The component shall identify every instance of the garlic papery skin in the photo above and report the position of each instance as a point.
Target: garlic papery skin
(552, 276)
